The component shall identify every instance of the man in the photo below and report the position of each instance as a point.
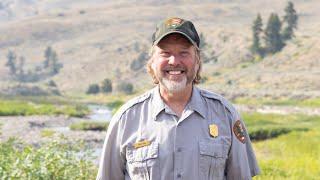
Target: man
(176, 130)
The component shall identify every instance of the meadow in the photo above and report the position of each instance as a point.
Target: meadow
(26, 107)
(287, 146)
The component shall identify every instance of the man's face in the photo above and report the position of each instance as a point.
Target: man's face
(174, 63)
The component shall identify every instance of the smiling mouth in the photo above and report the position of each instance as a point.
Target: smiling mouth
(175, 72)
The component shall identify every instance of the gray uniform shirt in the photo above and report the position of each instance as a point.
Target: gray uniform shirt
(147, 140)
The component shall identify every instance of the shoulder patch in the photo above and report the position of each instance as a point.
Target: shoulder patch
(239, 131)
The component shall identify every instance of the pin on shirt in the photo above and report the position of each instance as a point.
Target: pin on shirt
(141, 144)
(213, 130)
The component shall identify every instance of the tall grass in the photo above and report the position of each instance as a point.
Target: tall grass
(24, 108)
(294, 156)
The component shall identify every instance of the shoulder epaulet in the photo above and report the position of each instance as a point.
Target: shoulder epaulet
(132, 102)
(223, 101)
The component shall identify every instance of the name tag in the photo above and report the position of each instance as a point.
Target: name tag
(141, 144)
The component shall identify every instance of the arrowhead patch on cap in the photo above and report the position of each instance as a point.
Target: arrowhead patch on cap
(239, 131)
(173, 22)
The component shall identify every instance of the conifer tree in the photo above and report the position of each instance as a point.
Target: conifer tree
(257, 30)
(11, 62)
(273, 40)
(291, 21)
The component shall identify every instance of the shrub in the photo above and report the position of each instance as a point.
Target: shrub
(57, 159)
(125, 87)
(93, 89)
(90, 125)
(106, 86)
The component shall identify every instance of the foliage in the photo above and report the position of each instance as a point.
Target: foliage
(11, 62)
(291, 20)
(90, 125)
(125, 87)
(266, 126)
(22, 108)
(106, 86)
(139, 63)
(273, 38)
(256, 47)
(47, 133)
(52, 83)
(206, 53)
(50, 67)
(51, 61)
(93, 89)
(293, 156)
(53, 160)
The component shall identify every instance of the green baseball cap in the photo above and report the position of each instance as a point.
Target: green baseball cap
(176, 25)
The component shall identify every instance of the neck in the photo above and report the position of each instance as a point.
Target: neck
(176, 100)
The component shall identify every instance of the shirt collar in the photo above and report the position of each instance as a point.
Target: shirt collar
(196, 103)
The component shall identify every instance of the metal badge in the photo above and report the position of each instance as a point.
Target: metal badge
(213, 130)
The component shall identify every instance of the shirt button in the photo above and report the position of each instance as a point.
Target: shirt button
(179, 175)
(179, 149)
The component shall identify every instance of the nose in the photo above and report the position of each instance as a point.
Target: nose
(173, 60)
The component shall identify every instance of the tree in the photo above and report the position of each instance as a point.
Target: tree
(11, 62)
(47, 55)
(93, 89)
(291, 20)
(257, 30)
(125, 87)
(51, 61)
(106, 86)
(272, 37)
(22, 61)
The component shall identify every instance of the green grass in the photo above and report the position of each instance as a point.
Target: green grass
(315, 102)
(25, 108)
(265, 126)
(47, 133)
(90, 125)
(294, 153)
(293, 156)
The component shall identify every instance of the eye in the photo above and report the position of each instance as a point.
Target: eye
(164, 54)
(184, 53)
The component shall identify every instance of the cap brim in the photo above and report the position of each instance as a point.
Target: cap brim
(179, 32)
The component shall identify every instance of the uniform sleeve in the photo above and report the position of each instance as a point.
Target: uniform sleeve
(241, 163)
(112, 166)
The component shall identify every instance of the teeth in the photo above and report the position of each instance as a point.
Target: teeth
(174, 72)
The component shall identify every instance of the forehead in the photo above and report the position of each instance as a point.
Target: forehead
(174, 39)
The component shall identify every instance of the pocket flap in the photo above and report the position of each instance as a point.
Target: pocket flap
(213, 149)
(143, 153)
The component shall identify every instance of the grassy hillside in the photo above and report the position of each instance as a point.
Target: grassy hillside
(97, 40)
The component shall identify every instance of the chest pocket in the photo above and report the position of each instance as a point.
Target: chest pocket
(143, 162)
(212, 160)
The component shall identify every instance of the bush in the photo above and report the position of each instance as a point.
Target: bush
(106, 86)
(93, 89)
(271, 132)
(53, 160)
(90, 125)
(125, 87)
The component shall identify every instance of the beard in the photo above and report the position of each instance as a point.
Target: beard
(174, 86)
(177, 85)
